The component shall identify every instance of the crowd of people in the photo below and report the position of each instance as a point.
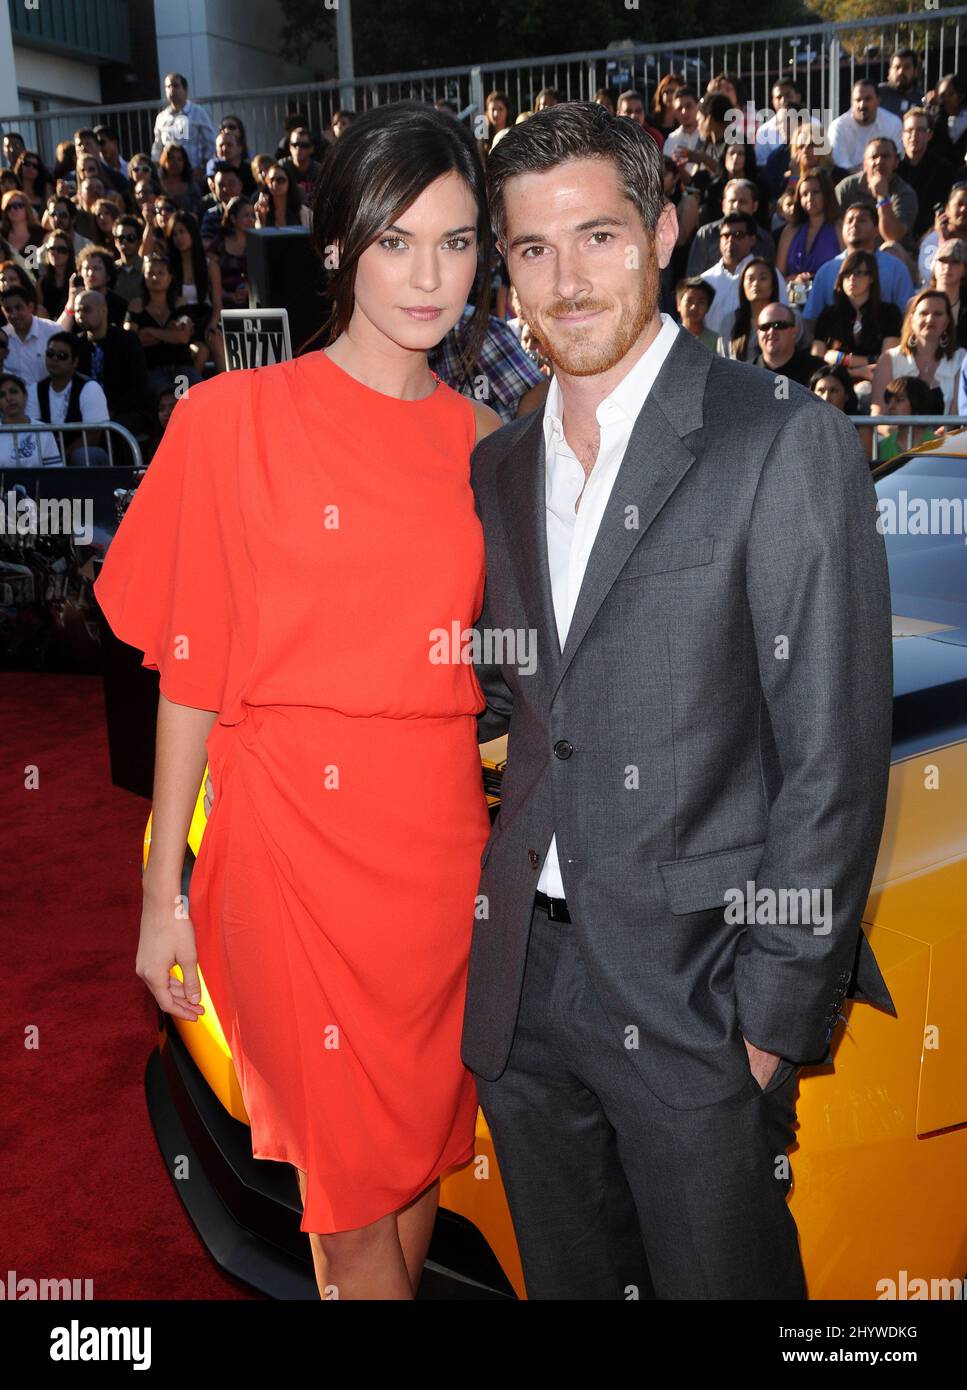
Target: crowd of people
(832, 254)
(115, 267)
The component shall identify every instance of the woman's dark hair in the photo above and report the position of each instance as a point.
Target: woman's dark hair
(842, 316)
(23, 276)
(852, 405)
(579, 130)
(915, 390)
(43, 180)
(736, 82)
(657, 105)
(293, 197)
(227, 224)
(46, 276)
(164, 161)
(17, 380)
(742, 322)
(53, 296)
(497, 95)
(173, 291)
(831, 208)
(199, 260)
(370, 176)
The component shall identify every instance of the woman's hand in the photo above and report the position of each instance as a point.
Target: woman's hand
(168, 939)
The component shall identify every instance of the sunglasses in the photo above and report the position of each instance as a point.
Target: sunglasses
(142, 168)
(30, 164)
(56, 250)
(127, 236)
(57, 355)
(61, 215)
(301, 144)
(16, 206)
(775, 323)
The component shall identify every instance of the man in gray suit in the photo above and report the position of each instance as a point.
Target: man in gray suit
(697, 763)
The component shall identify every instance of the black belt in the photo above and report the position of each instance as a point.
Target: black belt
(556, 908)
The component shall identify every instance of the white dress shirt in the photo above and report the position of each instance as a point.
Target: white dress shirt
(570, 534)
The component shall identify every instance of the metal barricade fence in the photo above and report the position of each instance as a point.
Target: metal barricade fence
(825, 58)
(906, 427)
(45, 437)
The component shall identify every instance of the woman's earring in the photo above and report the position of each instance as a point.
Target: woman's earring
(944, 338)
(913, 339)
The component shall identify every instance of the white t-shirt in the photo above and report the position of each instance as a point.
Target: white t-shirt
(93, 404)
(849, 139)
(29, 448)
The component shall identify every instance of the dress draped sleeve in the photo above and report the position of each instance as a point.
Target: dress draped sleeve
(166, 584)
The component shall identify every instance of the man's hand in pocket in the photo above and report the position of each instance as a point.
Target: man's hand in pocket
(762, 1064)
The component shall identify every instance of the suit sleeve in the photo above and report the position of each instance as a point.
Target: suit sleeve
(819, 598)
(164, 586)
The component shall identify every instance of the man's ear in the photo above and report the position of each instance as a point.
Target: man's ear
(666, 234)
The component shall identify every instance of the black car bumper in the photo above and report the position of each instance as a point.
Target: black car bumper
(247, 1210)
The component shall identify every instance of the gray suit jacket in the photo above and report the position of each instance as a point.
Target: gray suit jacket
(721, 713)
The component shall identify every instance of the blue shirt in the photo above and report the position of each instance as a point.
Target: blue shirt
(896, 286)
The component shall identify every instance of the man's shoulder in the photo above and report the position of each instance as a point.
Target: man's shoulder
(755, 385)
(495, 447)
(851, 184)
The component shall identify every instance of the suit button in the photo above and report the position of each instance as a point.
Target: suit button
(533, 858)
(563, 749)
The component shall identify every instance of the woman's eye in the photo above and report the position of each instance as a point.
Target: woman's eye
(392, 243)
(458, 243)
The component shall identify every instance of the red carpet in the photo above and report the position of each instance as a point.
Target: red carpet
(86, 1193)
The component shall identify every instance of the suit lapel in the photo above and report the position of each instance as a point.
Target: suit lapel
(521, 490)
(655, 461)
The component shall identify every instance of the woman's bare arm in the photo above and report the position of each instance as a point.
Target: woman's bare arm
(167, 934)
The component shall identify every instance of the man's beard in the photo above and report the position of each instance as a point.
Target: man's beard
(593, 357)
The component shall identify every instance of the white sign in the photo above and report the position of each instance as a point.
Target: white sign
(255, 337)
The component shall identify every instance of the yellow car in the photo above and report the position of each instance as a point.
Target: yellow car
(878, 1191)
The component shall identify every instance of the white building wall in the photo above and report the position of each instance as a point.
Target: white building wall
(60, 79)
(8, 69)
(227, 45)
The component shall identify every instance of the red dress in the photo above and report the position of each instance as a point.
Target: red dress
(288, 560)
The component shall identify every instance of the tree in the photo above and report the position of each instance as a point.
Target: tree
(405, 35)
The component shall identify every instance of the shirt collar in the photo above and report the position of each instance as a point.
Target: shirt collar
(627, 398)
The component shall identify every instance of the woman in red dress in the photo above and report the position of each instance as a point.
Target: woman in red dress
(302, 536)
